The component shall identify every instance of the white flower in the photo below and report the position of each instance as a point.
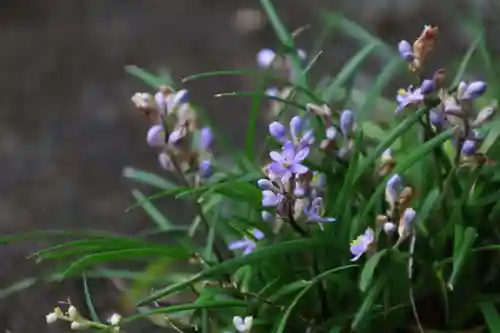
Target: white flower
(73, 313)
(242, 325)
(79, 325)
(51, 317)
(115, 319)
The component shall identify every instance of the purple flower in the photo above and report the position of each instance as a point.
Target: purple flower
(408, 217)
(295, 128)
(468, 148)
(474, 90)
(176, 135)
(405, 50)
(408, 97)
(437, 118)
(176, 99)
(288, 162)
(206, 138)
(346, 122)
(156, 136)
(315, 210)
(362, 244)
(272, 92)
(265, 58)
(205, 169)
(247, 244)
(427, 87)
(277, 131)
(270, 198)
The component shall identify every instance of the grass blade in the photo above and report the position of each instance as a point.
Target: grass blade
(148, 178)
(491, 316)
(365, 309)
(158, 218)
(147, 77)
(469, 237)
(88, 299)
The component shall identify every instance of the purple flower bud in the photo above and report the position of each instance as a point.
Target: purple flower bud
(346, 122)
(468, 148)
(295, 127)
(389, 227)
(307, 139)
(405, 50)
(408, 217)
(394, 187)
(161, 101)
(268, 217)
(436, 118)
(277, 130)
(484, 115)
(474, 90)
(265, 184)
(206, 138)
(156, 136)
(331, 133)
(205, 169)
(302, 54)
(265, 58)
(178, 98)
(299, 191)
(271, 199)
(272, 92)
(427, 87)
(176, 135)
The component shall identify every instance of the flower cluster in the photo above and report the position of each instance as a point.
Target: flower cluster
(174, 133)
(291, 187)
(78, 322)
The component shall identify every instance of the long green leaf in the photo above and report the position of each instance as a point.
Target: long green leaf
(163, 223)
(369, 269)
(148, 178)
(469, 237)
(147, 77)
(465, 61)
(491, 316)
(365, 309)
(257, 256)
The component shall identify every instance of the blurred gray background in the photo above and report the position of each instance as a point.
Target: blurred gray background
(67, 126)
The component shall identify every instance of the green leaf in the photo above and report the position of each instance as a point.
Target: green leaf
(369, 270)
(147, 77)
(404, 126)
(124, 255)
(148, 178)
(425, 210)
(365, 309)
(158, 218)
(347, 71)
(466, 244)
(186, 307)
(491, 316)
(258, 256)
(465, 61)
(88, 299)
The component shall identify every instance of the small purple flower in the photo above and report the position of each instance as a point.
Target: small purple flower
(277, 131)
(288, 162)
(468, 148)
(265, 184)
(272, 92)
(362, 243)
(346, 122)
(394, 187)
(389, 227)
(271, 199)
(474, 90)
(427, 87)
(408, 217)
(265, 58)
(205, 169)
(247, 244)
(156, 136)
(314, 212)
(176, 135)
(206, 138)
(406, 50)
(408, 97)
(295, 128)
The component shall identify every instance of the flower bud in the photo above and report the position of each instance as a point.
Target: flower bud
(156, 136)
(474, 90)
(165, 161)
(389, 228)
(51, 318)
(79, 325)
(267, 217)
(206, 138)
(346, 122)
(468, 148)
(243, 325)
(427, 87)
(73, 313)
(295, 127)
(405, 50)
(277, 130)
(265, 58)
(265, 184)
(115, 319)
(484, 116)
(331, 133)
(205, 169)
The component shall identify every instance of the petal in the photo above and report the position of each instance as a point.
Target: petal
(288, 154)
(327, 219)
(301, 155)
(238, 323)
(258, 234)
(269, 198)
(249, 249)
(369, 235)
(357, 257)
(277, 169)
(298, 169)
(239, 244)
(275, 156)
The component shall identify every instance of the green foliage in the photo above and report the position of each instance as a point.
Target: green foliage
(437, 272)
